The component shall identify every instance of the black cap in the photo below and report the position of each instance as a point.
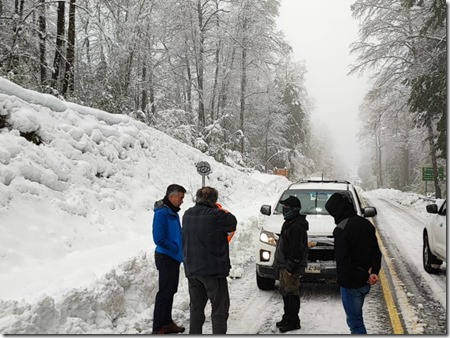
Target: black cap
(292, 201)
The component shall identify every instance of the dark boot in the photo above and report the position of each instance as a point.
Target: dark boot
(173, 328)
(283, 320)
(293, 321)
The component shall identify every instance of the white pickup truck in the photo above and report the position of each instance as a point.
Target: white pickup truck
(313, 194)
(435, 237)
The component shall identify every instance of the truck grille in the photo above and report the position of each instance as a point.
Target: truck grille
(320, 255)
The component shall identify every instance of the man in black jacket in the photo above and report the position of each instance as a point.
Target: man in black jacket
(206, 260)
(291, 257)
(358, 257)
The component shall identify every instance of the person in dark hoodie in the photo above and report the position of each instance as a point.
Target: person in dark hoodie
(168, 257)
(358, 257)
(206, 228)
(291, 257)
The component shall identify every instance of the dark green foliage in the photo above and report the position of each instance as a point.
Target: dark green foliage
(4, 122)
(32, 137)
(292, 101)
(428, 98)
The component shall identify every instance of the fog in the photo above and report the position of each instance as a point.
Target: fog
(320, 33)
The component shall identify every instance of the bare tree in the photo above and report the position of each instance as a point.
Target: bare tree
(42, 43)
(58, 60)
(394, 43)
(68, 80)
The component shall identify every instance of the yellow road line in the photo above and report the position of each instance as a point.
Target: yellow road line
(396, 323)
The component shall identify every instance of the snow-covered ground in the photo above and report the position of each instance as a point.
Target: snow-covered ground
(76, 251)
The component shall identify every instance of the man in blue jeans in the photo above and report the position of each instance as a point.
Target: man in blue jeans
(358, 257)
(168, 257)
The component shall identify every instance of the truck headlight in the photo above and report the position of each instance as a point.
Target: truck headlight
(268, 237)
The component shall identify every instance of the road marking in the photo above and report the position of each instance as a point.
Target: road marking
(396, 323)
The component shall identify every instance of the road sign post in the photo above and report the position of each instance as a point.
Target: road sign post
(203, 168)
(428, 175)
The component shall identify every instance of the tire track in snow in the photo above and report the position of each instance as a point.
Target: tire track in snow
(254, 311)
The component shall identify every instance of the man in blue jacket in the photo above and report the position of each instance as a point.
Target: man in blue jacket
(168, 256)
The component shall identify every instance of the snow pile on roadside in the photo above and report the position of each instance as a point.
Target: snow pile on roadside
(409, 199)
(76, 210)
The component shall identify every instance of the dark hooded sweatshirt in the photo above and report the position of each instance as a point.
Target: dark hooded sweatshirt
(355, 243)
(292, 247)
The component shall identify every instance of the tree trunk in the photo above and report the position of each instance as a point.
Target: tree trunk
(243, 76)
(88, 46)
(68, 83)
(21, 9)
(189, 78)
(243, 91)
(225, 85)
(216, 73)
(60, 35)
(216, 79)
(200, 65)
(42, 43)
(437, 189)
(144, 101)
(152, 93)
(379, 160)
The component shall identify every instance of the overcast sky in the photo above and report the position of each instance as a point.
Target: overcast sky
(320, 33)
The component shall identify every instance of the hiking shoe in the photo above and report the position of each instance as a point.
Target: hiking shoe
(173, 328)
(281, 323)
(290, 327)
(159, 331)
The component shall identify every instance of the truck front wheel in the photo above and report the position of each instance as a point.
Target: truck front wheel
(431, 263)
(265, 283)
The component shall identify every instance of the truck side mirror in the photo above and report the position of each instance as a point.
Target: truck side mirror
(432, 208)
(370, 212)
(266, 209)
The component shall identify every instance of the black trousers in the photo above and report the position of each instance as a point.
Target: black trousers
(216, 290)
(169, 273)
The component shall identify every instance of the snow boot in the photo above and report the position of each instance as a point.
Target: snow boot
(173, 328)
(283, 320)
(293, 307)
(290, 326)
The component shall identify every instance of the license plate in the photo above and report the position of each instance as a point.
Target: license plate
(312, 268)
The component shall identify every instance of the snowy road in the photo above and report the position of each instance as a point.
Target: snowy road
(420, 296)
(254, 311)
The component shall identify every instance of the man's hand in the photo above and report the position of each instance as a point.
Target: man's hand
(373, 279)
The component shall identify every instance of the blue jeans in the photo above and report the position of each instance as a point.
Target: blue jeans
(353, 301)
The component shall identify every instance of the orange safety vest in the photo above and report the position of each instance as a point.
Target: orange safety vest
(230, 234)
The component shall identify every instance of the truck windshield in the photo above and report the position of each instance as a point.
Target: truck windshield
(313, 202)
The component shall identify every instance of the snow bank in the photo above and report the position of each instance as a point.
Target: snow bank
(76, 212)
(409, 199)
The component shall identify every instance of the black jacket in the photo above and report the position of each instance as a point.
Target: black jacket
(355, 243)
(292, 247)
(205, 244)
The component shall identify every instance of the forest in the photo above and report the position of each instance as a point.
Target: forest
(218, 75)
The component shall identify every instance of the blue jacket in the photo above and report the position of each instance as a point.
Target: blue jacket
(167, 231)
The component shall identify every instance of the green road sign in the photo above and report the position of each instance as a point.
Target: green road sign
(427, 173)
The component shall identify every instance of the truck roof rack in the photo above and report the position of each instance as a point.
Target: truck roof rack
(319, 180)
